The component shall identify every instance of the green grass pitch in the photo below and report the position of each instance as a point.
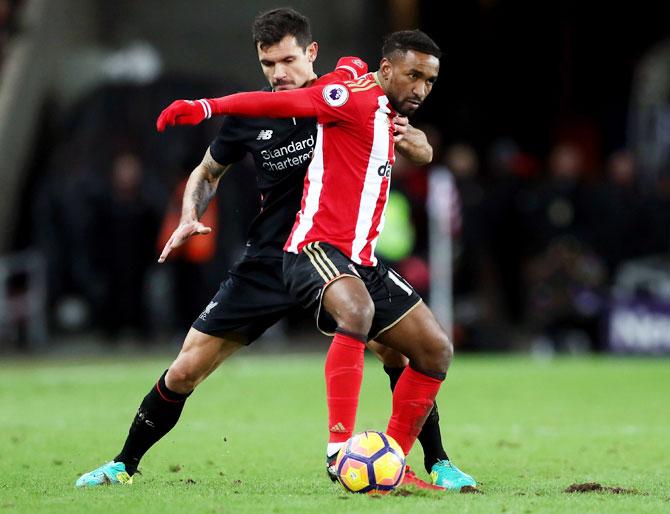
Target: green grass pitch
(252, 437)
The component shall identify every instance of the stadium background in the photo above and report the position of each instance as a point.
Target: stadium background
(550, 122)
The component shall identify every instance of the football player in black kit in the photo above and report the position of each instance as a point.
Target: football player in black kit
(254, 297)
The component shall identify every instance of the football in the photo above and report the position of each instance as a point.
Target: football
(370, 462)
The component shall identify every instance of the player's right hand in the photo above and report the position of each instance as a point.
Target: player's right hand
(184, 112)
(400, 126)
(183, 232)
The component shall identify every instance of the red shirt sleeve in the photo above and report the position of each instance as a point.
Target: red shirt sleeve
(334, 103)
(262, 104)
(329, 103)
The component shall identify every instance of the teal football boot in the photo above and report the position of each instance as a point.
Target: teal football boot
(112, 473)
(445, 474)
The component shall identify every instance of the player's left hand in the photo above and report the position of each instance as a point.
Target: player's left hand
(183, 112)
(400, 125)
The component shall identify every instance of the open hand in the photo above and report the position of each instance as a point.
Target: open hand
(182, 233)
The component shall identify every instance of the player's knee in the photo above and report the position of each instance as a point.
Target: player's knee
(356, 316)
(437, 353)
(181, 378)
(447, 350)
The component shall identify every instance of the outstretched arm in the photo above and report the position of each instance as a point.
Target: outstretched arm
(200, 190)
(411, 142)
(279, 104)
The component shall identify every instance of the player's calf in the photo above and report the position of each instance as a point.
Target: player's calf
(391, 358)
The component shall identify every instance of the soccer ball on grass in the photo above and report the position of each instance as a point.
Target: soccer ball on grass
(370, 462)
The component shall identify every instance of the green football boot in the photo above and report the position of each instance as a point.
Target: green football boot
(445, 474)
(112, 473)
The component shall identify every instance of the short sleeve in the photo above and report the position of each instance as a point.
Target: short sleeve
(226, 147)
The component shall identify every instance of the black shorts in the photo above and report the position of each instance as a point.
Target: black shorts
(319, 264)
(250, 301)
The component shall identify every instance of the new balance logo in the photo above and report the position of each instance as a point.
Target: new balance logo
(264, 135)
(208, 309)
(339, 427)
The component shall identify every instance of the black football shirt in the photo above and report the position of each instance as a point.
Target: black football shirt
(282, 149)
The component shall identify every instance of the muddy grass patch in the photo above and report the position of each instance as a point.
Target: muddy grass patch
(468, 489)
(595, 487)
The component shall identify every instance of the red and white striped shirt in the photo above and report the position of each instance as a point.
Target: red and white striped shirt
(348, 179)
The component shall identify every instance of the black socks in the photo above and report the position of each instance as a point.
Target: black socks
(158, 413)
(430, 436)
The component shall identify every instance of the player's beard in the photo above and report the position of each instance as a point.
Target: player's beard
(404, 107)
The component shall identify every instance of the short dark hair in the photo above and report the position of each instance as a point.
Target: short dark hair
(270, 27)
(405, 40)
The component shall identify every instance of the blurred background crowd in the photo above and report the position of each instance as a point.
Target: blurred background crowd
(550, 125)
